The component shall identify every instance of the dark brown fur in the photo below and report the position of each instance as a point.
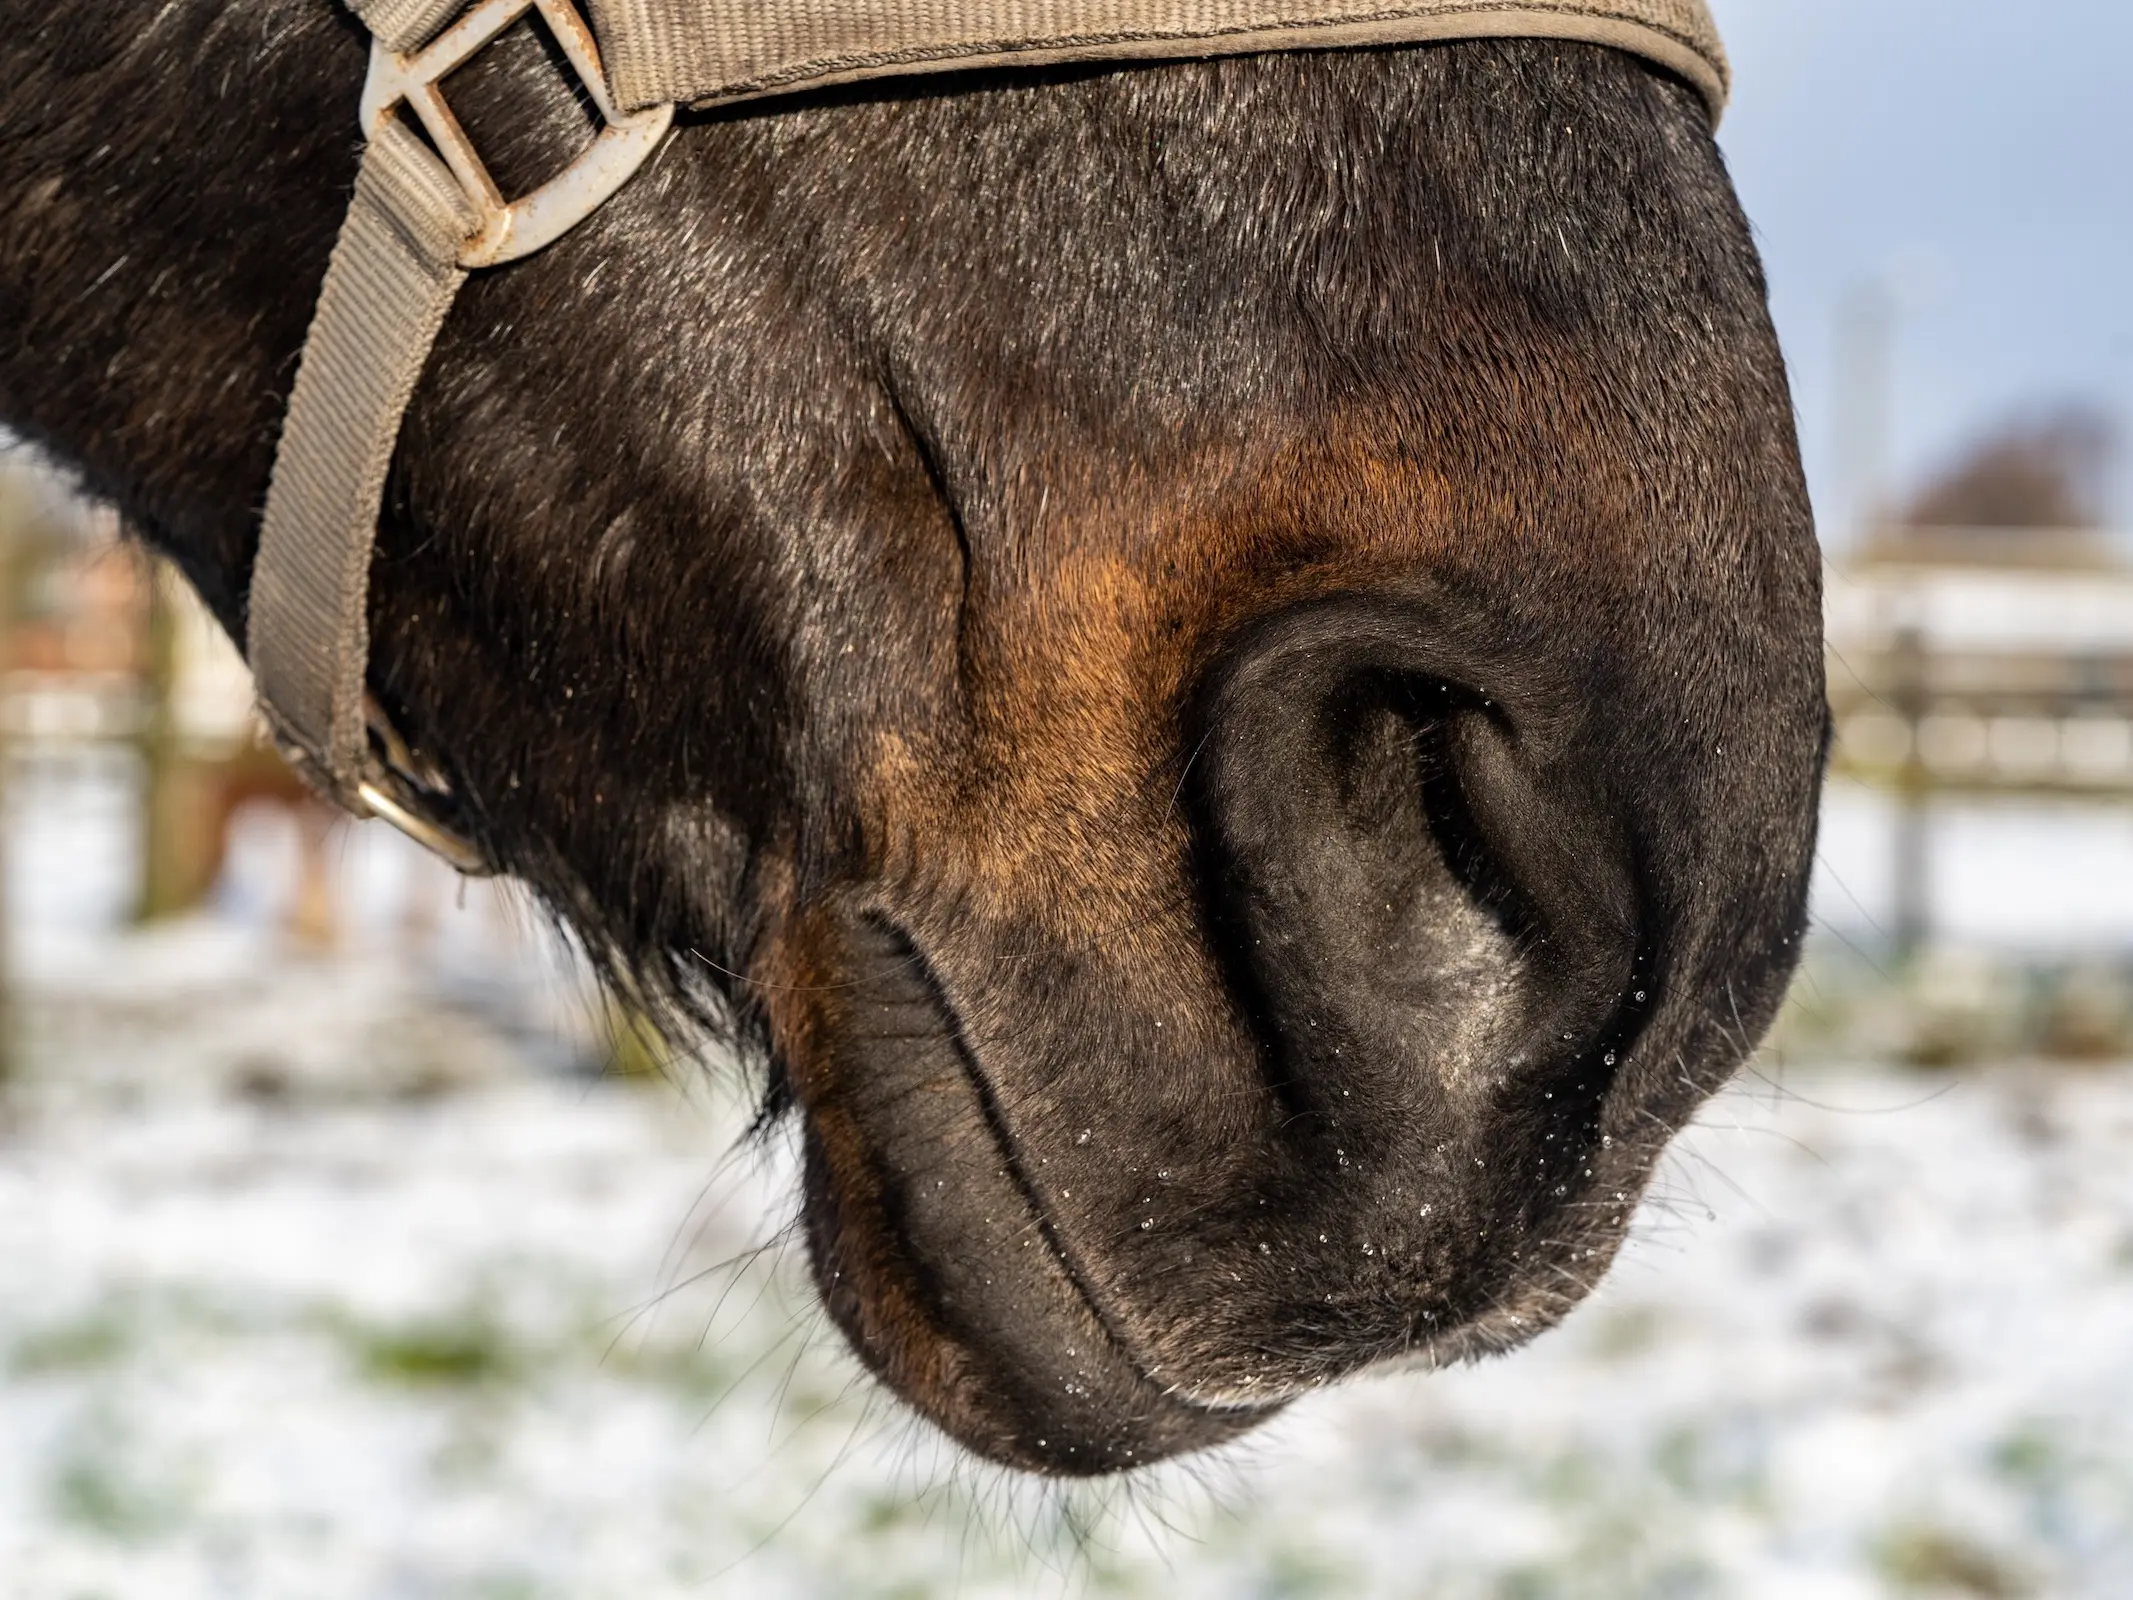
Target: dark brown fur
(1217, 664)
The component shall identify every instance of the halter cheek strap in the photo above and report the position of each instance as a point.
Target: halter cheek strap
(420, 219)
(426, 213)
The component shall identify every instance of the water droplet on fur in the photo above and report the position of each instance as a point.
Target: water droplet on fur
(1607, 1141)
(1082, 1137)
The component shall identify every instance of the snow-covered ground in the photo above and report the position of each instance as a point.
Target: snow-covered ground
(342, 1276)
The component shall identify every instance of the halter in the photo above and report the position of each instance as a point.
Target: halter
(425, 214)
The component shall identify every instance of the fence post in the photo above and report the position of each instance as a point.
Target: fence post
(1912, 865)
(176, 858)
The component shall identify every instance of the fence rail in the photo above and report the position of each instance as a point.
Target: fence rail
(1984, 678)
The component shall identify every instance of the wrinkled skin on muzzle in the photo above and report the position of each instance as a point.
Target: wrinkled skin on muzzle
(1216, 666)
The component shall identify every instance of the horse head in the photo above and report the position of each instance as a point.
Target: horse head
(1216, 665)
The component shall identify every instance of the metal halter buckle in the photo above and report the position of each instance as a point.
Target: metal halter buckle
(513, 228)
(407, 792)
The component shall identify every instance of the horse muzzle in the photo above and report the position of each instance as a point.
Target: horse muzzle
(1382, 1080)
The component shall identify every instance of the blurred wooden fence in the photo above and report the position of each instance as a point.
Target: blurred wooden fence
(105, 649)
(1979, 663)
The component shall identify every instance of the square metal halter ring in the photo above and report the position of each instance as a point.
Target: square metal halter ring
(513, 228)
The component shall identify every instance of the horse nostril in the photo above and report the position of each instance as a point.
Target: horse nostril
(1429, 921)
(1392, 744)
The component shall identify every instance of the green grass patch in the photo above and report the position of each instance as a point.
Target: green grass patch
(1930, 1560)
(102, 1338)
(463, 1351)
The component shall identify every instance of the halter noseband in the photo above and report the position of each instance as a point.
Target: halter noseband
(425, 214)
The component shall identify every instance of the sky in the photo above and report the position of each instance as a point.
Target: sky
(1971, 161)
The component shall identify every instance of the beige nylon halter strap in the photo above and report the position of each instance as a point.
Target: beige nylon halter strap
(424, 213)
(710, 51)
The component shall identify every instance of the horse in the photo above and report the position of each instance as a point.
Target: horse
(1212, 667)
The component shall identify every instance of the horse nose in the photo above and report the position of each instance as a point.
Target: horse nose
(1415, 881)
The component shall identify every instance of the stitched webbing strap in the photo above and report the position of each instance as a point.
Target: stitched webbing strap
(404, 24)
(392, 277)
(697, 51)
